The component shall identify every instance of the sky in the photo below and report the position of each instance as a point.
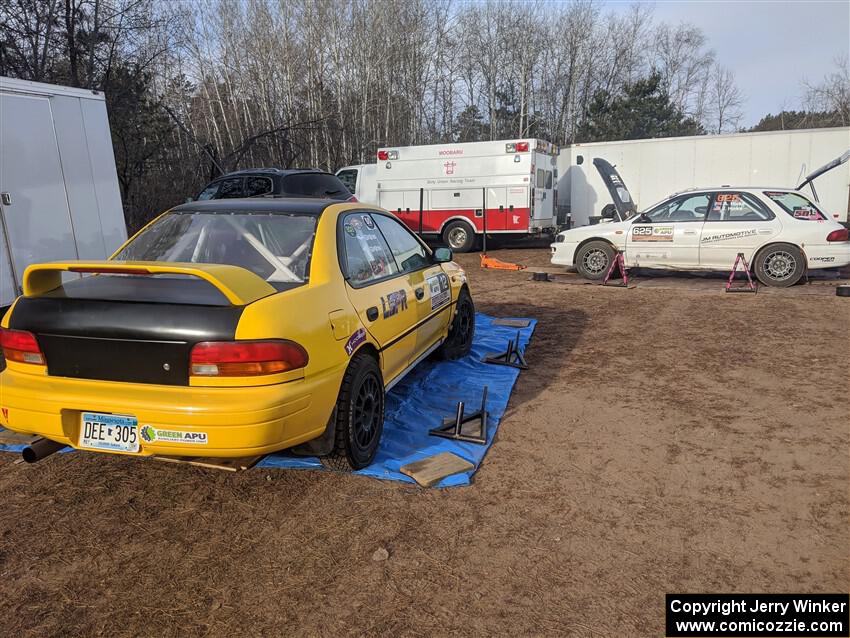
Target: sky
(771, 46)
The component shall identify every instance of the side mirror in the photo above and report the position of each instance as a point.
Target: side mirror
(190, 199)
(609, 212)
(443, 255)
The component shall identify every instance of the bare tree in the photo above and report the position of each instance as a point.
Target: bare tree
(724, 101)
(832, 95)
(685, 65)
(199, 86)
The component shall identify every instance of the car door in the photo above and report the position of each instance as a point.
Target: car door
(430, 284)
(668, 236)
(737, 223)
(380, 292)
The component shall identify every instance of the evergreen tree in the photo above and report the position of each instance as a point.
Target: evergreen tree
(643, 110)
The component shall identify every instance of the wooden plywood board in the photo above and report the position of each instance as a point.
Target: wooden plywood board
(512, 323)
(434, 469)
(228, 465)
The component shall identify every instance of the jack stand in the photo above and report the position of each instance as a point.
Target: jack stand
(619, 263)
(750, 286)
(510, 357)
(452, 427)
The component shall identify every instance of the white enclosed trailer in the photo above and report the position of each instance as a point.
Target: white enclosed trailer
(450, 183)
(59, 195)
(656, 168)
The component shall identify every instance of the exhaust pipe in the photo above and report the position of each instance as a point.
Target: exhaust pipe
(39, 449)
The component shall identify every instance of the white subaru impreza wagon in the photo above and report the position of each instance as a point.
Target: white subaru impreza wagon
(781, 232)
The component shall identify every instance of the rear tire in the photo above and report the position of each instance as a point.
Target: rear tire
(594, 259)
(459, 341)
(358, 415)
(459, 236)
(780, 265)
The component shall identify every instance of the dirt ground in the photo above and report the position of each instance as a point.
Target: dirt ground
(667, 438)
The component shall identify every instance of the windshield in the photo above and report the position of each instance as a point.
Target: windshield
(796, 205)
(274, 246)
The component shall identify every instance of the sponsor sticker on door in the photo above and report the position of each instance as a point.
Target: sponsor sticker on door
(652, 233)
(438, 286)
(739, 234)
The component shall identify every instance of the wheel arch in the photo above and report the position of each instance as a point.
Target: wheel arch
(458, 218)
(584, 243)
(761, 249)
(371, 350)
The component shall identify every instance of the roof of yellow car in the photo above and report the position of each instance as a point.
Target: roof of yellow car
(286, 205)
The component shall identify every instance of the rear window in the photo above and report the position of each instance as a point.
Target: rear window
(738, 207)
(321, 185)
(796, 205)
(276, 246)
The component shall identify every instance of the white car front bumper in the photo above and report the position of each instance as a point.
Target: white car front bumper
(563, 253)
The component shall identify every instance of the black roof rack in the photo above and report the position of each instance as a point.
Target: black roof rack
(272, 171)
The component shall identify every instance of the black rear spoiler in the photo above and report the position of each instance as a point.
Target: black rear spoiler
(838, 161)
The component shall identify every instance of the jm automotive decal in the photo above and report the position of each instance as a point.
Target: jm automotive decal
(707, 239)
(151, 434)
(438, 285)
(652, 233)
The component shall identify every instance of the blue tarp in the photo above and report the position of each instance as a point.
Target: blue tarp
(421, 401)
(427, 395)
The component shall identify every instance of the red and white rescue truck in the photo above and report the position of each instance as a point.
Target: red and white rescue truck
(506, 187)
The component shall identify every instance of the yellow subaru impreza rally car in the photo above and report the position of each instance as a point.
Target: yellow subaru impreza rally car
(232, 328)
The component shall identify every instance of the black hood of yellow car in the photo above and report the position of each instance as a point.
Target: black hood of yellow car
(126, 328)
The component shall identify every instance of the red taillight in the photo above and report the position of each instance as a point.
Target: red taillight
(383, 156)
(842, 234)
(245, 358)
(20, 346)
(522, 147)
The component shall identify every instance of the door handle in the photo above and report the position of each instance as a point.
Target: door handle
(372, 313)
(690, 232)
(420, 293)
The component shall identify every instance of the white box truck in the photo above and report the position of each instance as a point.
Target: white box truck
(656, 168)
(450, 183)
(360, 180)
(59, 195)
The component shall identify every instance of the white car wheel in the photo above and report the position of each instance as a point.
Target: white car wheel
(594, 259)
(780, 265)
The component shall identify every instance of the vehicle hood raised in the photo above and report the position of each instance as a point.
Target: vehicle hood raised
(620, 195)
